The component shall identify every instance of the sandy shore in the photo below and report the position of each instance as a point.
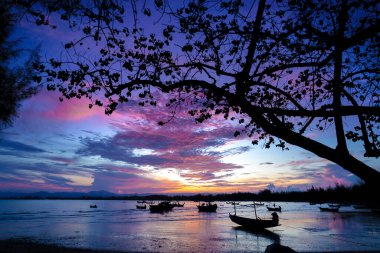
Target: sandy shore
(26, 246)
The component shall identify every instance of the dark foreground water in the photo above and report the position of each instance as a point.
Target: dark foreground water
(118, 225)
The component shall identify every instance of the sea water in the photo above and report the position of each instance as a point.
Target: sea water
(118, 225)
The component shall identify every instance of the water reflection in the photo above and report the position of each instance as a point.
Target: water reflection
(264, 233)
(253, 241)
(118, 225)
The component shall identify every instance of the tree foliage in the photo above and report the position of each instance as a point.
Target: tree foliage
(281, 69)
(15, 82)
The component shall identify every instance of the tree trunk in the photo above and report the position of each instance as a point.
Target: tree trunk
(343, 159)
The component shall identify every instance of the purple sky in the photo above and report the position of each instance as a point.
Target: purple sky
(64, 146)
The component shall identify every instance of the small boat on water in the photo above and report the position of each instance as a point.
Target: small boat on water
(258, 203)
(177, 204)
(161, 207)
(139, 206)
(334, 205)
(329, 209)
(254, 224)
(274, 208)
(93, 206)
(257, 223)
(207, 207)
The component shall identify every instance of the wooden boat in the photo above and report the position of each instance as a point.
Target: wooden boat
(274, 208)
(257, 223)
(329, 209)
(161, 207)
(334, 205)
(93, 206)
(177, 204)
(254, 224)
(141, 206)
(360, 206)
(207, 207)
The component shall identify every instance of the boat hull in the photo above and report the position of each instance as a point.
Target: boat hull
(207, 208)
(253, 224)
(276, 209)
(329, 209)
(161, 207)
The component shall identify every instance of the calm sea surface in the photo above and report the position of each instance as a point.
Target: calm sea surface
(118, 225)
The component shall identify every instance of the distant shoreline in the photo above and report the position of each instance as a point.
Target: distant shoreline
(211, 200)
(28, 246)
(339, 194)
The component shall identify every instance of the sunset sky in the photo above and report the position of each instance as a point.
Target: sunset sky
(65, 146)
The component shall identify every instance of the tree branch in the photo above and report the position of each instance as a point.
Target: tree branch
(253, 41)
(369, 148)
(337, 87)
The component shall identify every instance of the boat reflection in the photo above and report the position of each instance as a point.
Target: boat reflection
(263, 233)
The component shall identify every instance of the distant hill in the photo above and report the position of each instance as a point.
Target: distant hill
(356, 193)
(59, 195)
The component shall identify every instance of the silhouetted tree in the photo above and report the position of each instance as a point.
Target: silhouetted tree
(15, 82)
(281, 70)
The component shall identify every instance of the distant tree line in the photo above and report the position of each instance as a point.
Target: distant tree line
(339, 193)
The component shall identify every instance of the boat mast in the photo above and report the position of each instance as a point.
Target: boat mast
(254, 206)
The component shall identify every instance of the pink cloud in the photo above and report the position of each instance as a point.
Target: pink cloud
(46, 106)
(72, 110)
(183, 146)
(303, 163)
(332, 177)
(124, 183)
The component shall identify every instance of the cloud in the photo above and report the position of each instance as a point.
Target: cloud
(130, 148)
(135, 152)
(317, 172)
(231, 151)
(46, 105)
(302, 163)
(185, 150)
(129, 183)
(62, 160)
(271, 187)
(18, 146)
(35, 175)
(121, 148)
(333, 174)
(180, 144)
(266, 163)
